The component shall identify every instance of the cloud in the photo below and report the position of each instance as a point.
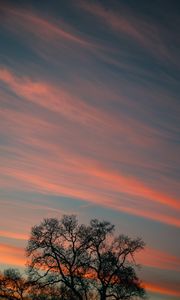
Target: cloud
(158, 259)
(134, 28)
(156, 288)
(13, 235)
(85, 184)
(48, 37)
(89, 117)
(39, 26)
(12, 255)
(77, 175)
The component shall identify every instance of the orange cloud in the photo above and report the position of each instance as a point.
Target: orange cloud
(53, 99)
(12, 255)
(51, 185)
(90, 180)
(13, 235)
(68, 105)
(158, 259)
(155, 288)
(15, 256)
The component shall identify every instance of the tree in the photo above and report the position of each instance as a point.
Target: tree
(12, 285)
(58, 253)
(84, 259)
(112, 260)
(48, 292)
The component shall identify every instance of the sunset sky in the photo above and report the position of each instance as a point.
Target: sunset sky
(89, 124)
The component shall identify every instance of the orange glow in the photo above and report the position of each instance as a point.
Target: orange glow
(161, 290)
(12, 255)
(99, 177)
(16, 256)
(13, 235)
(44, 185)
(158, 259)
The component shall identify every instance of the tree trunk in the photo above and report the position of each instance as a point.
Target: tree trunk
(77, 294)
(103, 294)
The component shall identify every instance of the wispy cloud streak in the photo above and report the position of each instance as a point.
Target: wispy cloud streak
(159, 259)
(73, 109)
(134, 27)
(12, 255)
(89, 124)
(40, 26)
(155, 288)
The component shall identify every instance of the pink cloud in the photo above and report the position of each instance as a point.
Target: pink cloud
(160, 289)
(13, 235)
(12, 255)
(87, 187)
(61, 101)
(76, 176)
(146, 34)
(158, 259)
(41, 27)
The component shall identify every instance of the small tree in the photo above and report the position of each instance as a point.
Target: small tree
(112, 260)
(87, 261)
(12, 285)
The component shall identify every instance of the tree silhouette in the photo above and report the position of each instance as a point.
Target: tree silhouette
(111, 262)
(84, 259)
(12, 285)
(58, 253)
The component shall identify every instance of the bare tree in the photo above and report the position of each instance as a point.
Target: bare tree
(57, 251)
(84, 259)
(12, 285)
(112, 261)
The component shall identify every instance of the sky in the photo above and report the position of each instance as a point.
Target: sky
(89, 125)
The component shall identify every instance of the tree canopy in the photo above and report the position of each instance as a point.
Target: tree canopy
(12, 285)
(68, 260)
(84, 258)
